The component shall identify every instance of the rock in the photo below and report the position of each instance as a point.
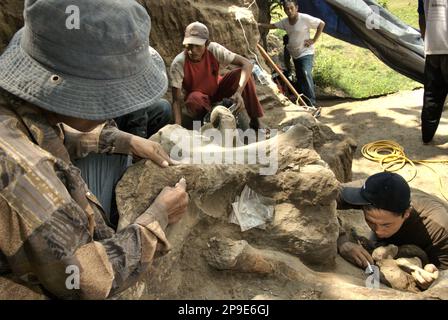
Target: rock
(12, 290)
(266, 297)
(309, 232)
(385, 252)
(211, 182)
(309, 188)
(241, 256)
(304, 188)
(225, 254)
(11, 20)
(336, 150)
(170, 18)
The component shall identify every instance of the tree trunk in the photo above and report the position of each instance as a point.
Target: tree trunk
(264, 7)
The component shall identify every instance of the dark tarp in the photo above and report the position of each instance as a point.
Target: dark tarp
(364, 23)
(334, 25)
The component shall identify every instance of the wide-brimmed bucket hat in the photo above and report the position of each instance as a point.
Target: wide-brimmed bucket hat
(85, 59)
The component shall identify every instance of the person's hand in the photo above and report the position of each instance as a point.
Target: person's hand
(425, 277)
(309, 43)
(356, 254)
(173, 202)
(238, 100)
(147, 149)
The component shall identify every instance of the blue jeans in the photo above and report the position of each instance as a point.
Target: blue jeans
(304, 73)
(146, 122)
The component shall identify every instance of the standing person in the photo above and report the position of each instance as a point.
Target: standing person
(434, 23)
(60, 82)
(300, 45)
(196, 71)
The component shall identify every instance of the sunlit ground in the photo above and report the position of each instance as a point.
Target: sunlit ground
(397, 118)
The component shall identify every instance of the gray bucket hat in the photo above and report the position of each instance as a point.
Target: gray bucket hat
(100, 71)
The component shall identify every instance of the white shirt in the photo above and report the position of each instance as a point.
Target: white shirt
(221, 53)
(298, 33)
(436, 37)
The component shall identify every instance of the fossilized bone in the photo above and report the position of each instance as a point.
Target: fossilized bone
(302, 180)
(240, 256)
(301, 183)
(223, 120)
(397, 264)
(291, 183)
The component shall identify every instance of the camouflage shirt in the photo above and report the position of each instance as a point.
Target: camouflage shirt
(51, 226)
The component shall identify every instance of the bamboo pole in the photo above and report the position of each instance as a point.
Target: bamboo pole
(276, 68)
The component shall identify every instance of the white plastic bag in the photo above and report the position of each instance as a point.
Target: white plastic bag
(251, 210)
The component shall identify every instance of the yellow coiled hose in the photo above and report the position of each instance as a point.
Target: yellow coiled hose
(391, 156)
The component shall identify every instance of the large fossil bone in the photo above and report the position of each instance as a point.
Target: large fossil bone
(300, 178)
(240, 256)
(294, 163)
(397, 264)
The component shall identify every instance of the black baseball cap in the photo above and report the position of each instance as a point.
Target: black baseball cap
(385, 190)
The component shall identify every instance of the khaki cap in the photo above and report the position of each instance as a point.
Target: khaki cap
(196, 33)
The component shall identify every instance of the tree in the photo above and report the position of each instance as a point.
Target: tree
(266, 9)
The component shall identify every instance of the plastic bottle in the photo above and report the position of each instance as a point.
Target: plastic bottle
(259, 74)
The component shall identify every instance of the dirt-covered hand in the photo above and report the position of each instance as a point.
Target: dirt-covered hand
(356, 254)
(147, 149)
(238, 100)
(173, 202)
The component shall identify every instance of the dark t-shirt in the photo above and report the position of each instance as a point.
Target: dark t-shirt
(426, 227)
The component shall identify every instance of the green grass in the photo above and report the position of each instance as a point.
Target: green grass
(406, 10)
(355, 71)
